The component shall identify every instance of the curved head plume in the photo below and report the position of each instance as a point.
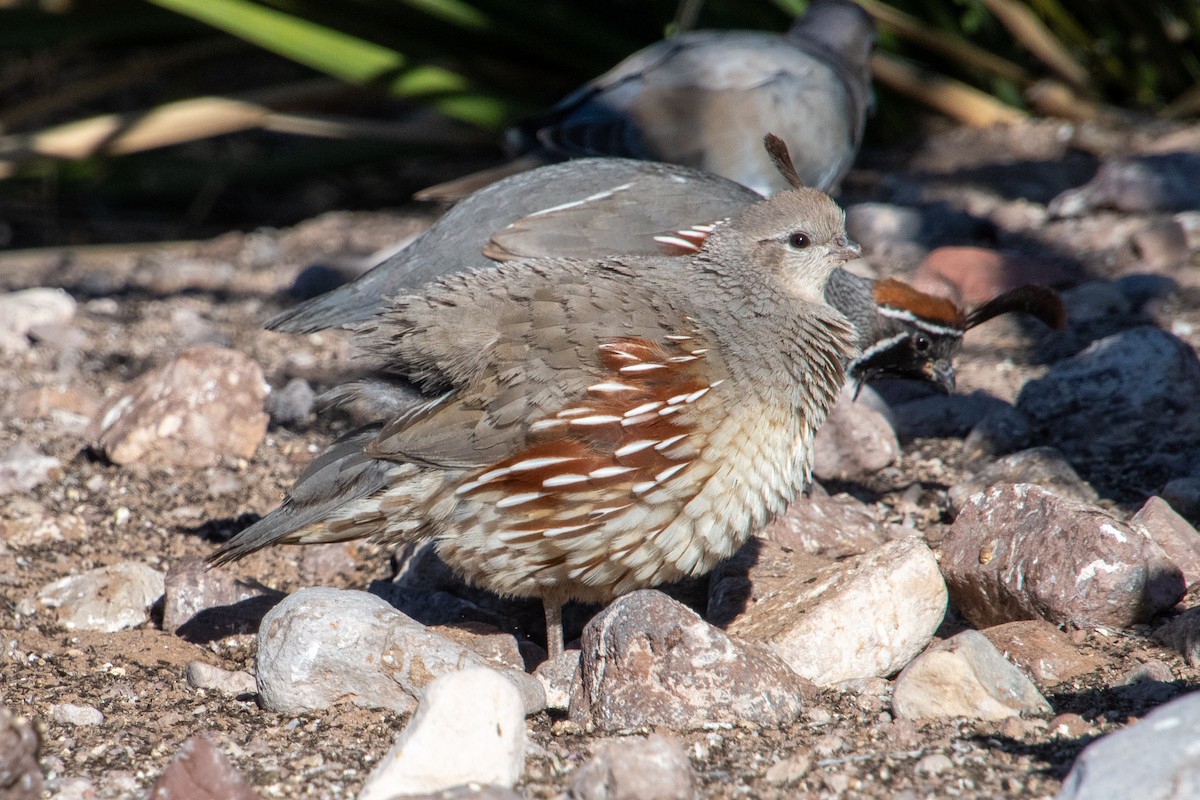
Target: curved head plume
(782, 159)
(1038, 301)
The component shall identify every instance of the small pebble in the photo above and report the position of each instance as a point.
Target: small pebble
(71, 714)
(933, 764)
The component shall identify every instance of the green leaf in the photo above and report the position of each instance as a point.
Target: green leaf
(349, 58)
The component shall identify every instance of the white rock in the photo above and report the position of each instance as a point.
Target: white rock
(1154, 759)
(70, 714)
(469, 728)
(22, 468)
(205, 676)
(654, 768)
(29, 308)
(556, 676)
(965, 676)
(106, 599)
(322, 646)
(863, 617)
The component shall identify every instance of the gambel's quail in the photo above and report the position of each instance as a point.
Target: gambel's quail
(703, 99)
(594, 427)
(590, 208)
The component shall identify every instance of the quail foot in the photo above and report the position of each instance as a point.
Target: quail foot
(589, 428)
(703, 99)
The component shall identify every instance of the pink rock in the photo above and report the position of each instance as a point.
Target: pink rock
(1178, 539)
(831, 526)
(855, 441)
(1018, 551)
(1045, 653)
(863, 617)
(205, 403)
(648, 660)
(201, 772)
(978, 274)
(202, 604)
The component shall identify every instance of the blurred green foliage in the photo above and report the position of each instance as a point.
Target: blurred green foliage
(487, 63)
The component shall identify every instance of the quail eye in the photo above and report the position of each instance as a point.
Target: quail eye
(798, 240)
(921, 343)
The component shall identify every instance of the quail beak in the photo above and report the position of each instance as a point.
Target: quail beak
(941, 374)
(847, 250)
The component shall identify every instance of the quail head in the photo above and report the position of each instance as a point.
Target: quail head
(703, 98)
(906, 333)
(589, 428)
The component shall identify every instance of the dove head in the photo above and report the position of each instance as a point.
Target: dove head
(841, 26)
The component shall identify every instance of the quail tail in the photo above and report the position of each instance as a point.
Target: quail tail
(338, 477)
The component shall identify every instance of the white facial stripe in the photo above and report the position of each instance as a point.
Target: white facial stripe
(880, 346)
(923, 324)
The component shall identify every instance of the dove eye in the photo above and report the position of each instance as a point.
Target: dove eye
(798, 240)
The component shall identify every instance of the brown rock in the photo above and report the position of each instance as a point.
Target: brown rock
(1045, 653)
(1021, 552)
(647, 660)
(499, 648)
(1161, 244)
(855, 441)
(22, 468)
(557, 675)
(1178, 539)
(322, 564)
(979, 274)
(201, 772)
(1182, 634)
(832, 526)
(20, 775)
(202, 604)
(1043, 466)
(205, 403)
(48, 400)
(1071, 726)
(31, 524)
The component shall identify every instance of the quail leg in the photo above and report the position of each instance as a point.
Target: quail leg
(553, 605)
